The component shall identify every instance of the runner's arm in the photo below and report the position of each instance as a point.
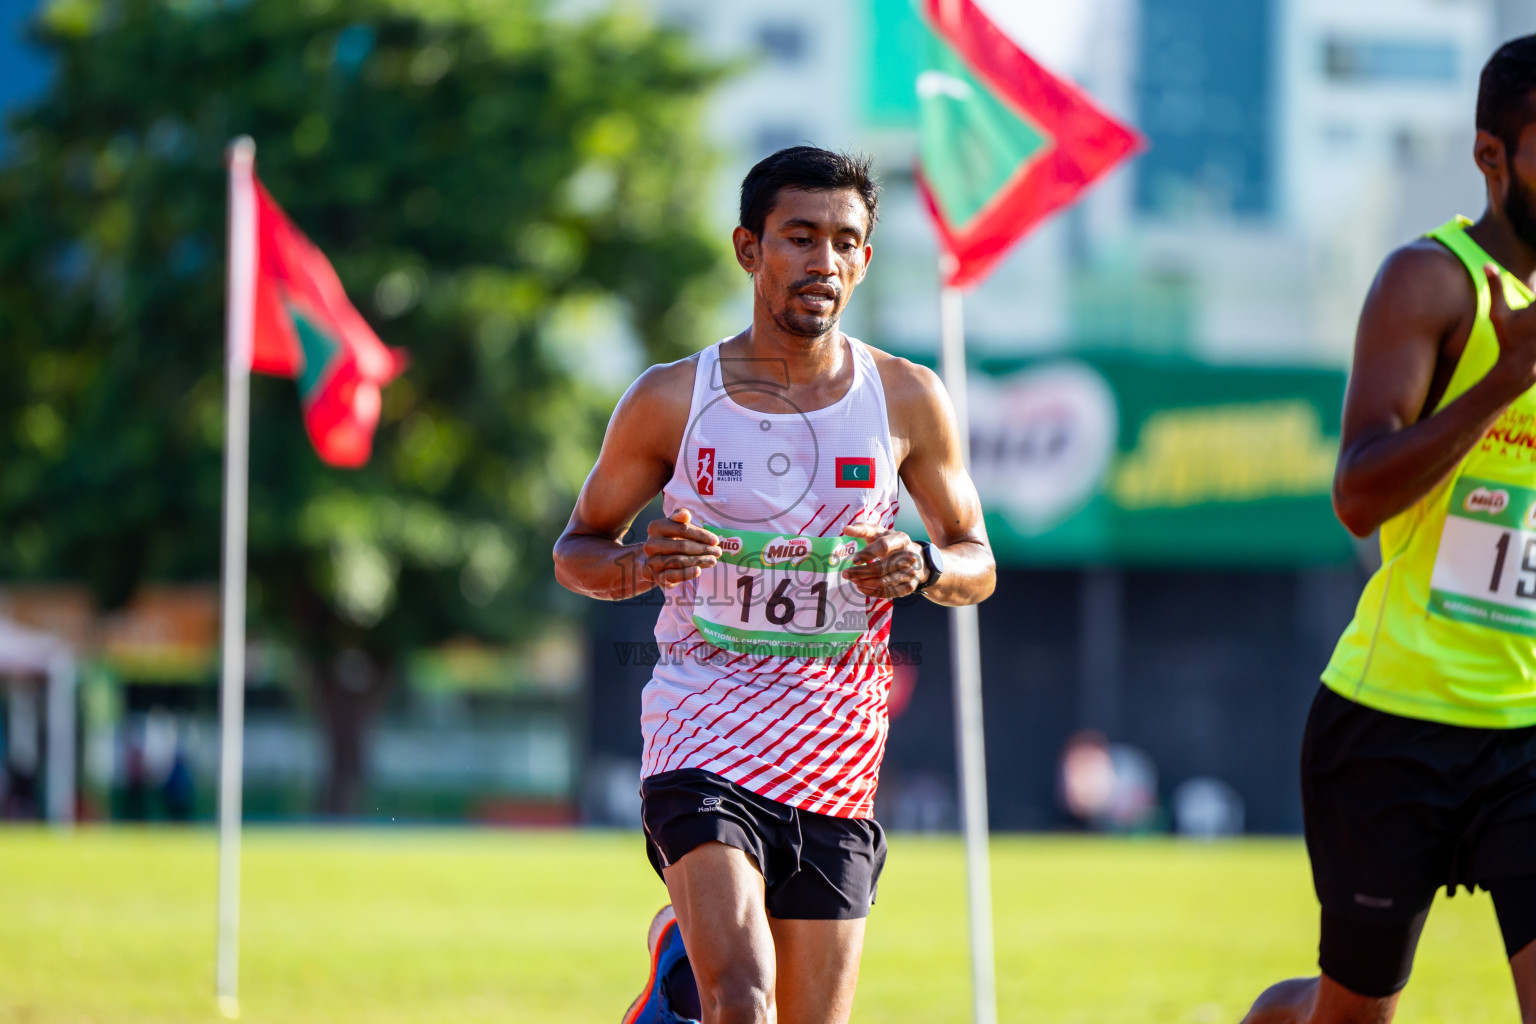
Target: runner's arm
(1389, 457)
(940, 487)
(635, 463)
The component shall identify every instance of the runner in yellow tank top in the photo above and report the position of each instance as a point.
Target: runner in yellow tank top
(1419, 759)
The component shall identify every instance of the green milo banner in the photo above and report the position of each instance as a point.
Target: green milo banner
(1124, 459)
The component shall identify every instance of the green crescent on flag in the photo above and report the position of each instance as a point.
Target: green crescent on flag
(1004, 143)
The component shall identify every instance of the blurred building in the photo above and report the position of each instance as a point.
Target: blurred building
(1292, 143)
(471, 732)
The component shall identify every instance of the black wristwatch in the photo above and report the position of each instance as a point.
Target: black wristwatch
(935, 563)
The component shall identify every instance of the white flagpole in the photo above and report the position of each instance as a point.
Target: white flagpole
(239, 324)
(970, 742)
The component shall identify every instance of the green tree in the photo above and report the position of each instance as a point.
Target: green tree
(515, 199)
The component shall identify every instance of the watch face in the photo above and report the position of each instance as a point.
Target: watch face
(935, 558)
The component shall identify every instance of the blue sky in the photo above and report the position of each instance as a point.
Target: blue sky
(23, 72)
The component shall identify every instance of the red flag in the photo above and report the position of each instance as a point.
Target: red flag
(1005, 143)
(305, 327)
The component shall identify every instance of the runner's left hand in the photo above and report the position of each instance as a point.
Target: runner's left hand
(890, 565)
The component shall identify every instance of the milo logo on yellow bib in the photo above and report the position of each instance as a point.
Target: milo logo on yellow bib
(1485, 569)
(1488, 502)
(774, 595)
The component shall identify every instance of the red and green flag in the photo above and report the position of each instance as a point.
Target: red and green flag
(855, 472)
(1004, 143)
(305, 327)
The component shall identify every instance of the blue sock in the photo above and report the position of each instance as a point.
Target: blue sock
(682, 991)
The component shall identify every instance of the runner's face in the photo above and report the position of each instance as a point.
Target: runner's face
(812, 254)
(1520, 200)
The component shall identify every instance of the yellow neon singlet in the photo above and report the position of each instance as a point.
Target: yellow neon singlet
(1446, 628)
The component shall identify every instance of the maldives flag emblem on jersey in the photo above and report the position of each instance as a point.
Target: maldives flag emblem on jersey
(305, 327)
(856, 472)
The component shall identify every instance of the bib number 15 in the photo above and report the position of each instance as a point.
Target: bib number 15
(1485, 567)
(1525, 586)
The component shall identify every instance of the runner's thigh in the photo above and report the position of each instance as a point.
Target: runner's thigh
(818, 964)
(717, 893)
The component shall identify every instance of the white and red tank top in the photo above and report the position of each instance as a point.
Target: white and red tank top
(774, 672)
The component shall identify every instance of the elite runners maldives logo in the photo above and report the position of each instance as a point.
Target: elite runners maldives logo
(1514, 429)
(786, 551)
(855, 473)
(1486, 501)
(704, 471)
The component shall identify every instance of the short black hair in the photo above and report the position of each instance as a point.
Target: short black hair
(811, 169)
(1503, 92)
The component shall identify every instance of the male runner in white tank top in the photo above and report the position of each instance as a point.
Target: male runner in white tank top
(777, 453)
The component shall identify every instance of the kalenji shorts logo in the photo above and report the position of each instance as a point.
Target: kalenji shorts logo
(730, 545)
(711, 803)
(786, 551)
(1486, 501)
(704, 471)
(855, 473)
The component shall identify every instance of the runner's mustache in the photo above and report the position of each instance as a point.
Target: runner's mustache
(808, 282)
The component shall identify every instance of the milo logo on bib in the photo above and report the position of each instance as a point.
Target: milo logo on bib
(1481, 499)
(786, 551)
(783, 596)
(844, 552)
(1485, 568)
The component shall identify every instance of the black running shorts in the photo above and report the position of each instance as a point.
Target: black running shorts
(1397, 807)
(814, 866)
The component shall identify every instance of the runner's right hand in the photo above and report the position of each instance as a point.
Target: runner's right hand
(677, 551)
(1516, 331)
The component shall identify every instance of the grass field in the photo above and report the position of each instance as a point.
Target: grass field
(108, 926)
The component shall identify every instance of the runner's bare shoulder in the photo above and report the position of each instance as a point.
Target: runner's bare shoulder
(1425, 286)
(903, 377)
(654, 411)
(914, 396)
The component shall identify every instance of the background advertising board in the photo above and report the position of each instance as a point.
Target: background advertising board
(1121, 459)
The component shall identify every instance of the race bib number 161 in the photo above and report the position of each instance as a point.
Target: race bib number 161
(772, 594)
(1485, 570)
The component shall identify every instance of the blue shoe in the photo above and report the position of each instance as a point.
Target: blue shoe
(666, 945)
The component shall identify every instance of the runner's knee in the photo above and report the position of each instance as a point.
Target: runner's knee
(738, 997)
(1287, 1002)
